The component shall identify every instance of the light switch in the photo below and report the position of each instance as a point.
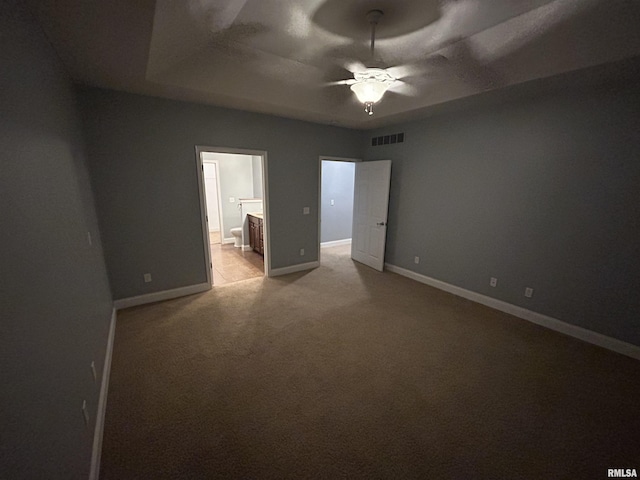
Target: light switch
(305, 211)
(232, 199)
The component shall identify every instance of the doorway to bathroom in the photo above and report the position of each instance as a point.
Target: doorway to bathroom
(337, 182)
(234, 213)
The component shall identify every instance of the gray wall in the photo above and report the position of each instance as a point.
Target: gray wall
(55, 298)
(337, 185)
(236, 180)
(142, 161)
(540, 190)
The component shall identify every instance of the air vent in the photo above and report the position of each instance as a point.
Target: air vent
(387, 139)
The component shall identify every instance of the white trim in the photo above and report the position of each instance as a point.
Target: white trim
(225, 241)
(206, 241)
(159, 296)
(265, 197)
(551, 323)
(339, 159)
(98, 433)
(335, 243)
(294, 268)
(266, 217)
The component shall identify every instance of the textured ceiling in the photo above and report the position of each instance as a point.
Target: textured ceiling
(286, 57)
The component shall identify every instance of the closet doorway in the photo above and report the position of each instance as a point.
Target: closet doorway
(337, 181)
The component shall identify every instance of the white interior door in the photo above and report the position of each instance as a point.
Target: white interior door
(370, 208)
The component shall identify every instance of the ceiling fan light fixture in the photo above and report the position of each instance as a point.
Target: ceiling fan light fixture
(370, 86)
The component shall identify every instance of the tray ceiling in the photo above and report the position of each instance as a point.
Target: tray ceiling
(286, 57)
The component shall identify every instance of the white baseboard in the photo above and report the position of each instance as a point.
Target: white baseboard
(551, 323)
(159, 296)
(96, 452)
(229, 240)
(335, 243)
(275, 272)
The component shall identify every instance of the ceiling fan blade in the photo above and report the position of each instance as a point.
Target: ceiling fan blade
(425, 65)
(347, 81)
(404, 89)
(354, 66)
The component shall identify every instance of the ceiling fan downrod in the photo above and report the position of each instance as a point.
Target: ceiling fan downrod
(370, 84)
(374, 16)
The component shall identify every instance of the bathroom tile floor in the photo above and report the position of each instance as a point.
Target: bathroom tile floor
(231, 264)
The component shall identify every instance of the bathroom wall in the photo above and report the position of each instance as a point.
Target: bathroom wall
(256, 163)
(211, 191)
(236, 181)
(337, 186)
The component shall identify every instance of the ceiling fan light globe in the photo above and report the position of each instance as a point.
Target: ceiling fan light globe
(371, 84)
(369, 90)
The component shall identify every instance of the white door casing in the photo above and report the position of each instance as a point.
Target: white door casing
(370, 209)
(203, 204)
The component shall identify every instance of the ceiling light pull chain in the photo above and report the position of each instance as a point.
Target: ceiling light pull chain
(368, 107)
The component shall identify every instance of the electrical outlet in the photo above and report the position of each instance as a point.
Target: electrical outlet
(302, 252)
(528, 292)
(305, 211)
(416, 260)
(493, 282)
(147, 277)
(93, 371)
(333, 202)
(85, 412)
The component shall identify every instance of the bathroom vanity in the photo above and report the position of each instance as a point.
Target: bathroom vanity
(256, 232)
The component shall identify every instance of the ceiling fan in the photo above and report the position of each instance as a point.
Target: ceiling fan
(449, 56)
(370, 84)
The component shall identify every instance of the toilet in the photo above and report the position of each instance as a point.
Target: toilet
(237, 236)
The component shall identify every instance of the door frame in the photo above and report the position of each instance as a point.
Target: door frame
(203, 203)
(331, 159)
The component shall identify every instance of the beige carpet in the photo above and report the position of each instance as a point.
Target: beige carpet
(344, 372)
